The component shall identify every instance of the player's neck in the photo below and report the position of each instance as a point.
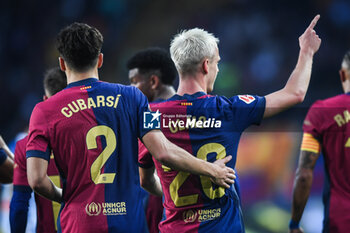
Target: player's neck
(165, 92)
(191, 84)
(78, 76)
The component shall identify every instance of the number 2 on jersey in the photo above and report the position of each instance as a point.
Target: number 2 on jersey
(206, 183)
(111, 143)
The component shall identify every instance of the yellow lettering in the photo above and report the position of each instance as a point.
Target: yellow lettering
(339, 119)
(116, 101)
(346, 116)
(81, 104)
(91, 103)
(76, 109)
(66, 114)
(110, 101)
(100, 99)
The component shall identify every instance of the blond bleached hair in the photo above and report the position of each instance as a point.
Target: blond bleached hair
(190, 47)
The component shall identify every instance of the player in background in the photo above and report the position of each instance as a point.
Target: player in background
(47, 211)
(92, 129)
(210, 127)
(327, 129)
(6, 163)
(153, 72)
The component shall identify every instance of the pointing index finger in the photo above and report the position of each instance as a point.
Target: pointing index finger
(313, 22)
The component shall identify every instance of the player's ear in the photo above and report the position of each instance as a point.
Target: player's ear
(155, 81)
(100, 60)
(205, 66)
(45, 97)
(62, 64)
(342, 75)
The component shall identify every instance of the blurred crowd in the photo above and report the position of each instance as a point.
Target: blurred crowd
(258, 42)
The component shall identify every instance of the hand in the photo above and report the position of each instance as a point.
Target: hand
(297, 230)
(225, 176)
(309, 41)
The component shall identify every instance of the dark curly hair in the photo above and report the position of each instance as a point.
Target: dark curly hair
(79, 44)
(54, 80)
(154, 61)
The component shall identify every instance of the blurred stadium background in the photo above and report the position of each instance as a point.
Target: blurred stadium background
(258, 47)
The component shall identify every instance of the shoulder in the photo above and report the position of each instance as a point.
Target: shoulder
(337, 100)
(125, 90)
(38, 114)
(20, 150)
(22, 143)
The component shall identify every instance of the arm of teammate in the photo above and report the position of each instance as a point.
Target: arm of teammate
(295, 90)
(6, 171)
(19, 208)
(6, 163)
(149, 180)
(40, 182)
(177, 158)
(7, 150)
(302, 187)
(6, 168)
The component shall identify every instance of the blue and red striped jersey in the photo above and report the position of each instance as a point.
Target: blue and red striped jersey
(208, 127)
(92, 128)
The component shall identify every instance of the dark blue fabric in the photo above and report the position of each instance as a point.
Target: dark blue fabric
(39, 154)
(19, 208)
(3, 156)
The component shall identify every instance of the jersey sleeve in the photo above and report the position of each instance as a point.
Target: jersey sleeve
(20, 168)
(19, 211)
(142, 106)
(3, 156)
(145, 158)
(313, 122)
(38, 137)
(248, 110)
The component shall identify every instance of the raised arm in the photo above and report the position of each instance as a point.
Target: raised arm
(176, 158)
(295, 90)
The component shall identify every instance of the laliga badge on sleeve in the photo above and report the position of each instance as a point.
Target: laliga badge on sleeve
(246, 98)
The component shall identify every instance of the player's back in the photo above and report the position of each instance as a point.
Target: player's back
(93, 130)
(208, 127)
(329, 121)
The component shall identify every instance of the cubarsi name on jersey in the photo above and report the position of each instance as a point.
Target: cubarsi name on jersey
(202, 122)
